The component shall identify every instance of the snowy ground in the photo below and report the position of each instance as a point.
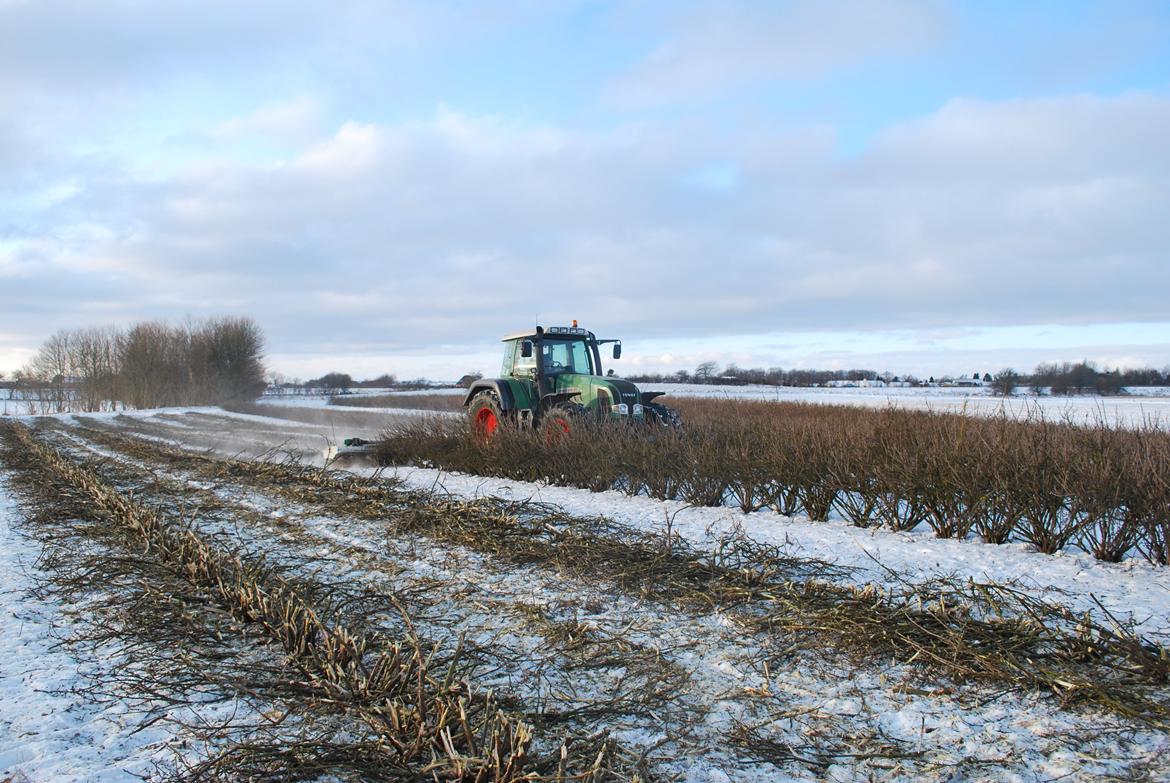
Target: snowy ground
(1134, 589)
(1146, 406)
(1022, 737)
(1141, 406)
(46, 733)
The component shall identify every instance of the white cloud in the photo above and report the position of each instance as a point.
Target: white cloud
(453, 230)
(65, 42)
(355, 147)
(722, 44)
(297, 119)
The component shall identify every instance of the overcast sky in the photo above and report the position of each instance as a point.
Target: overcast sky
(389, 186)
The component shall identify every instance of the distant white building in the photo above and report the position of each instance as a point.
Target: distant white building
(862, 384)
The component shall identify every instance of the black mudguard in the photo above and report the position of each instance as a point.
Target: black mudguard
(500, 387)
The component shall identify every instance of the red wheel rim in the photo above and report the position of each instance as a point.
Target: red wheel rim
(486, 422)
(558, 427)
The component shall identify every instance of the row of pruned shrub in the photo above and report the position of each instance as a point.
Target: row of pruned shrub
(1047, 483)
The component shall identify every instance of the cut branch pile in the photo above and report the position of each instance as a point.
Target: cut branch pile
(426, 724)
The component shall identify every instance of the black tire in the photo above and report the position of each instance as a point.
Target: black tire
(663, 416)
(485, 414)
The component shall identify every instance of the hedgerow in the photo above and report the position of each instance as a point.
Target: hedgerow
(1048, 483)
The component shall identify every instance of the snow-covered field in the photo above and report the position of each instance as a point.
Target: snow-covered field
(36, 402)
(1141, 406)
(955, 732)
(1144, 406)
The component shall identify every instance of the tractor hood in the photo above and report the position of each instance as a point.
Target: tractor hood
(620, 390)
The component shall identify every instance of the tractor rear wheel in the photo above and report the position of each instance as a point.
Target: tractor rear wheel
(486, 416)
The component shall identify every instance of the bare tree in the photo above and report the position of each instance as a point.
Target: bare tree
(1005, 381)
(154, 359)
(226, 362)
(53, 362)
(96, 366)
(705, 372)
(53, 368)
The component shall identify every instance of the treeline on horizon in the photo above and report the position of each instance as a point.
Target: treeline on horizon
(342, 383)
(150, 365)
(1054, 378)
(1061, 379)
(153, 364)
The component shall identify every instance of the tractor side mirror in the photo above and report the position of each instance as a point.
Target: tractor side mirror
(617, 350)
(526, 349)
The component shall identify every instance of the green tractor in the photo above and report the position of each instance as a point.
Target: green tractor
(551, 381)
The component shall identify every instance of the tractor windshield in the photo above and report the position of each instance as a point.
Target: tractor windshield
(567, 356)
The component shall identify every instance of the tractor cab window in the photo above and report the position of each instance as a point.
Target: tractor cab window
(567, 356)
(509, 358)
(524, 365)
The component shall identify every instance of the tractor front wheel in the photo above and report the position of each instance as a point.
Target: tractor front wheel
(560, 421)
(486, 416)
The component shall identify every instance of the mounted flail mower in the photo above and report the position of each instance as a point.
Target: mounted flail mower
(551, 382)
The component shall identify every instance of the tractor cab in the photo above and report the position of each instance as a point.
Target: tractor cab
(551, 354)
(564, 365)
